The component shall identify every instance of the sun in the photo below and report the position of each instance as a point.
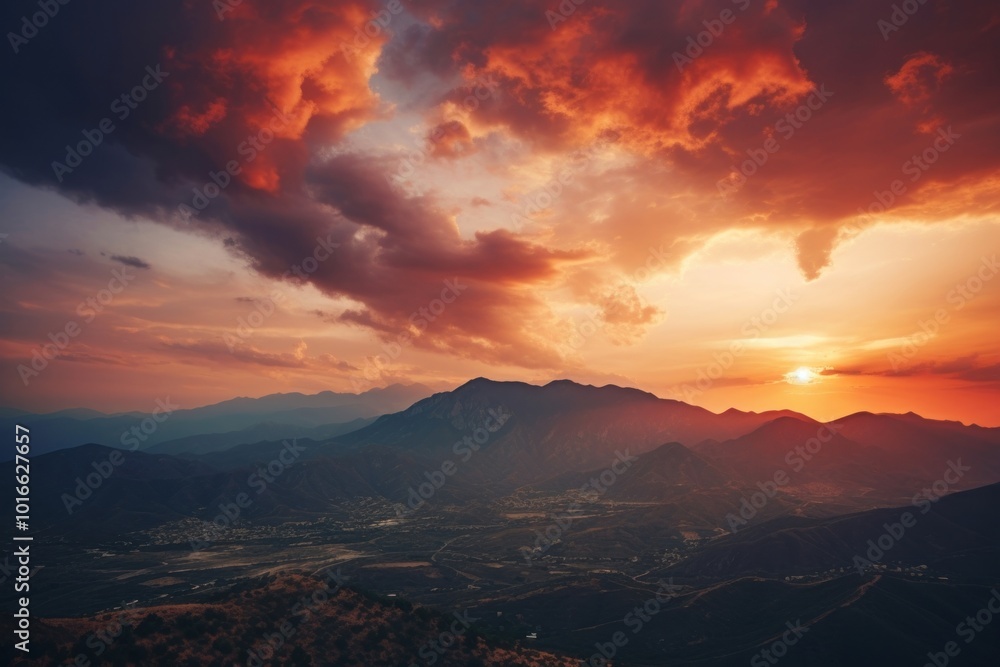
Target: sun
(802, 375)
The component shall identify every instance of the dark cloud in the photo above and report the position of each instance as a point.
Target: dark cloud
(267, 67)
(989, 373)
(129, 260)
(963, 368)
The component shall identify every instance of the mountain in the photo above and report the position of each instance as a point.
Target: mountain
(550, 430)
(384, 396)
(82, 492)
(297, 411)
(974, 430)
(812, 460)
(874, 621)
(241, 445)
(926, 446)
(549, 440)
(555, 510)
(662, 474)
(564, 427)
(958, 535)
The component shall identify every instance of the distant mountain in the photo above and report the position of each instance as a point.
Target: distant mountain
(925, 446)
(812, 459)
(396, 394)
(244, 445)
(974, 430)
(70, 428)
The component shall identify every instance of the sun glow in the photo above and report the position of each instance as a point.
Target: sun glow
(802, 375)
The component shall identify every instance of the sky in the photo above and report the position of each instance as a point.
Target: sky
(735, 203)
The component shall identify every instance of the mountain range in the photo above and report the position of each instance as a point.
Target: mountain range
(213, 427)
(548, 510)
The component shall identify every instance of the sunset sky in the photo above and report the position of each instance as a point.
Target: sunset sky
(563, 195)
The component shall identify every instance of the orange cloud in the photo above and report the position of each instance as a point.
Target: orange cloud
(919, 78)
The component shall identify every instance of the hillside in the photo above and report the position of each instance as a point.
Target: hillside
(307, 621)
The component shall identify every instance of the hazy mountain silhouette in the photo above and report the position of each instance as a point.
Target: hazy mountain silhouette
(297, 412)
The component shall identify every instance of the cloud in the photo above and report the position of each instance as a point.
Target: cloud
(129, 260)
(607, 78)
(607, 71)
(813, 248)
(919, 78)
(86, 355)
(450, 139)
(626, 315)
(219, 353)
(610, 76)
(963, 368)
(989, 373)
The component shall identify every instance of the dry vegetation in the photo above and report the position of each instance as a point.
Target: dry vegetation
(349, 628)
